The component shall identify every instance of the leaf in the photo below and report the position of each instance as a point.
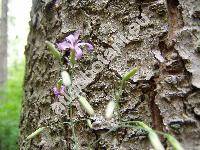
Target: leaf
(172, 140)
(155, 141)
(53, 50)
(129, 74)
(153, 137)
(86, 105)
(38, 131)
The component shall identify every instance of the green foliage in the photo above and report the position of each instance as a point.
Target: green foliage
(10, 108)
(129, 74)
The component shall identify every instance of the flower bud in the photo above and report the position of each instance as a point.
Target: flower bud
(110, 109)
(86, 105)
(129, 74)
(53, 50)
(59, 84)
(66, 78)
(32, 135)
(89, 123)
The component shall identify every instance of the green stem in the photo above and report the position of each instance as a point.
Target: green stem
(73, 129)
(118, 97)
(75, 139)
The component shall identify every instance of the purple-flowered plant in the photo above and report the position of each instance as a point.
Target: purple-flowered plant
(72, 42)
(59, 91)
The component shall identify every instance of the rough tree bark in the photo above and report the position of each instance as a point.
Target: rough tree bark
(3, 42)
(165, 92)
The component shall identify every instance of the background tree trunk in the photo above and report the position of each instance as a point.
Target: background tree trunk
(165, 92)
(3, 42)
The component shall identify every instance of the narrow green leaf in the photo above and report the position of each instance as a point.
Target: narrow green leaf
(155, 141)
(129, 74)
(153, 137)
(86, 105)
(53, 50)
(172, 140)
(38, 131)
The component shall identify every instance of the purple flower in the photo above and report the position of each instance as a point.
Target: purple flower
(73, 43)
(58, 91)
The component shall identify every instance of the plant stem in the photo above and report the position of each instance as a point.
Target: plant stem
(73, 129)
(75, 139)
(118, 97)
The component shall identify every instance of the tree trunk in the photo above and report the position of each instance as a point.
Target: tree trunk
(164, 93)
(3, 42)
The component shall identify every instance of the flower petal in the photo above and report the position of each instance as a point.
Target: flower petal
(79, 52)
(76, 35)
(71, 39)
(55, 90)
(90, 46)
(63, 45)
(62, 90)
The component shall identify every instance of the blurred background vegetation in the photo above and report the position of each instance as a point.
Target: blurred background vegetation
(11, 93)
(10, 108)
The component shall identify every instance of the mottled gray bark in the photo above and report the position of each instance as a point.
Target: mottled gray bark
(3, 42)
(165, 92)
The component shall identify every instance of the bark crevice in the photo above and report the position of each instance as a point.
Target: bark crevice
(175, 19)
